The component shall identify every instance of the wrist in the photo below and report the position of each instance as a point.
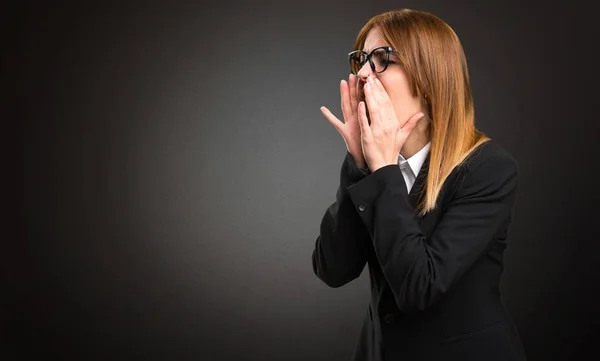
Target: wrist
(377, 166)
(359, 161)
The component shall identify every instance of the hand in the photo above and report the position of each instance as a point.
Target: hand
(350, 128)
(383, 139)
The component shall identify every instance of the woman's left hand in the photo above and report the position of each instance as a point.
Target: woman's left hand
(385, 136)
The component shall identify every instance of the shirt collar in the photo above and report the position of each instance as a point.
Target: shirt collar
(416, 161)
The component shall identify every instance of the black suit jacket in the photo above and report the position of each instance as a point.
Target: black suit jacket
(435, 279)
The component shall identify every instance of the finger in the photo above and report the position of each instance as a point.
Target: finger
(372, 103)
(381, 95)
(412, 122)
(337, 124)
(353, 92)
(363, 121)
(345, 99)
(385, 107)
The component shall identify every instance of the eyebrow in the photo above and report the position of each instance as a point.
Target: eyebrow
(370, 50)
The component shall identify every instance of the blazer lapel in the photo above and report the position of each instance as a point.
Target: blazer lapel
(417, 189)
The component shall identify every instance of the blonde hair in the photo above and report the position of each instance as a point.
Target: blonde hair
(436, 67)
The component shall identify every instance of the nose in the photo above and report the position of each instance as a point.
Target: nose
(362, 75)
(364, 72)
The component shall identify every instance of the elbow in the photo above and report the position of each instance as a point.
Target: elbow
(413, 307)
(330, 278)
(417, 299)
(333, 282)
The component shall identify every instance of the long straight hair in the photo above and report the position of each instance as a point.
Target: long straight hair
(436, 67)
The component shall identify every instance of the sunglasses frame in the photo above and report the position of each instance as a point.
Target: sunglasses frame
(388, 49)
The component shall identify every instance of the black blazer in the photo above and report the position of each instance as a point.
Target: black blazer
(435, 279)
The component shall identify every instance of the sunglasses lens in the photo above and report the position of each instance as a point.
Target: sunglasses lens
(380, 59)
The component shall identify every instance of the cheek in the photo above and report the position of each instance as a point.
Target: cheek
(403, 101)
(397, 89)
(405, 105)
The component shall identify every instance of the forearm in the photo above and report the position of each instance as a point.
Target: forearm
(339, 255)
(340, 249)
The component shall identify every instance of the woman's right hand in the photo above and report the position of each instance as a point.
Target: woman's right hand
(350, 128)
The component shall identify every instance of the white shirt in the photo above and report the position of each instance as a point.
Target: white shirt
(410, 167)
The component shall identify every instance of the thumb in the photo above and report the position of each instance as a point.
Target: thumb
(337, 124)
(412, 122)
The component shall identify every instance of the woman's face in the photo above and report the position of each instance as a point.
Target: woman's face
(393, 79)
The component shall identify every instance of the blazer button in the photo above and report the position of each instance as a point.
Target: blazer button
(389, 318)
(362, 207)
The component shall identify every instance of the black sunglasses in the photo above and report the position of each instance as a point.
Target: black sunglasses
(378, 58)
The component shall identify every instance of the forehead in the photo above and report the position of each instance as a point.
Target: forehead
(374, 40)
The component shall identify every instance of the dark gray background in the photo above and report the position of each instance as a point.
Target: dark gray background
(176, 167)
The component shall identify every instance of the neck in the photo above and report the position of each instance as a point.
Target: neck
(417, 139)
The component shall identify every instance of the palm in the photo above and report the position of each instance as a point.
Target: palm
(350, 128)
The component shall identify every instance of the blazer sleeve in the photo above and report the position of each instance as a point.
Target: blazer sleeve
(339, 255)
(418, 270)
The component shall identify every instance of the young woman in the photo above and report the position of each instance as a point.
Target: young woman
(425, 199)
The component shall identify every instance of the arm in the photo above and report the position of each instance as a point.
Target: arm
(339, 255)
(419, 270)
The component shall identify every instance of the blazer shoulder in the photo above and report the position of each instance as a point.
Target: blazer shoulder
(490, 157)
(489, 168)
